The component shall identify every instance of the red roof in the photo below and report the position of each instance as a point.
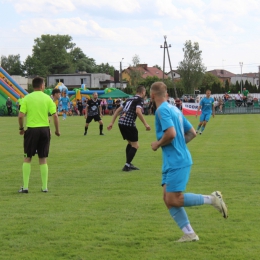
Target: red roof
(222, 73)
(250, 75)
(148, 71)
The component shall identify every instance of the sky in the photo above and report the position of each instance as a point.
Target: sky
(114, 31)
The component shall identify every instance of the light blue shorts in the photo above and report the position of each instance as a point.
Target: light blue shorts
(65, 108)
(205, 117)
(176, 179)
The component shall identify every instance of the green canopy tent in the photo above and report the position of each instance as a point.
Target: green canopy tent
(116, 93)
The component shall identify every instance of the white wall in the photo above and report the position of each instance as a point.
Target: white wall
(22, 81)
(236, 78)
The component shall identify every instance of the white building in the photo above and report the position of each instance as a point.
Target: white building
(75, 80)
(22, 81)
(175, 74)
(252, 78)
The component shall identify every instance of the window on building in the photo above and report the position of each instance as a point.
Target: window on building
(59, 80)
(83, 81)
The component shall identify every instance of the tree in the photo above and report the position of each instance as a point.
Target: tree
(147, 82)
(33, 67)
(81, 62)
(105, 68)
(191, 68)
(12, 64)
(209, 79)
(227, 88)
(53, 52)
(135, 72)
(157, 66)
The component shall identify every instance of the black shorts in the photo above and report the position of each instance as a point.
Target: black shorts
(90, 118)
(129, 133)
(37, 140)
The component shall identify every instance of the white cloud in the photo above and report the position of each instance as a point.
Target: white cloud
(41, 6)
(196, 3)
(126, 6)
(56, 26)
(167, 8)
(234, 7)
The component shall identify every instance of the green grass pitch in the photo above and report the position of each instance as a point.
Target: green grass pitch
(93, 210)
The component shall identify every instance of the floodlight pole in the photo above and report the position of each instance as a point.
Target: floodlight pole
(241, 65)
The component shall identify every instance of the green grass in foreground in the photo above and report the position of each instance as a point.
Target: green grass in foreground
(93, 210)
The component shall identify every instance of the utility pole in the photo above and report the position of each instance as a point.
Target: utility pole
(241, 65)
(121, 74)
(258, 77)
(166, 46)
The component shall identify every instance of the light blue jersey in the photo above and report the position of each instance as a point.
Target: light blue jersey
(64, 101)
(176, 154)
(206, 105)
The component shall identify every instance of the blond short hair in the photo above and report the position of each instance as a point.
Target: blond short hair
(159, 89)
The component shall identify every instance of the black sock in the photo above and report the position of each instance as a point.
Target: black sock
(86, 129)
(127, 149)
(131, 155)
(100, 128)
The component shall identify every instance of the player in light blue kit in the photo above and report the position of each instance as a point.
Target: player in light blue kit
(207, 108)
(65, 105)
(173, 132)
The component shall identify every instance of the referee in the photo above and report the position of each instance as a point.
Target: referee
(36, 107)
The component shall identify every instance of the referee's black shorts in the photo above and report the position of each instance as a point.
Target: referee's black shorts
(90, 118)
(129, 133)
(37, 140)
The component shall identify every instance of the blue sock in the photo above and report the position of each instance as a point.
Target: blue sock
(202, 128)
(191, 199)
(65, 115)
(180, 217)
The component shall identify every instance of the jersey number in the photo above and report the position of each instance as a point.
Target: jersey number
(128, 104)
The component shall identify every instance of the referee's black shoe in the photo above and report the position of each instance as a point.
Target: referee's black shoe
(133, 167)
(127, 168)
(23, 191)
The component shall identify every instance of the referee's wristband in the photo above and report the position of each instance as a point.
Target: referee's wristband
(21, 128)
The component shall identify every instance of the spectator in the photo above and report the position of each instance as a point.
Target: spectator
(19, 102)
(103, 106)
(9, 105)
(110, 106)
(152, 107)
(192, 100)
(118, 103)
(146, 105)
(245, 94)
(84, 106)
(220, 104)
(238, 99)
(226, 97)
(178, 103)
(80, 107)
(114, 106)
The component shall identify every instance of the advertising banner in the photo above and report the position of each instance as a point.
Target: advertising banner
(190, 109)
